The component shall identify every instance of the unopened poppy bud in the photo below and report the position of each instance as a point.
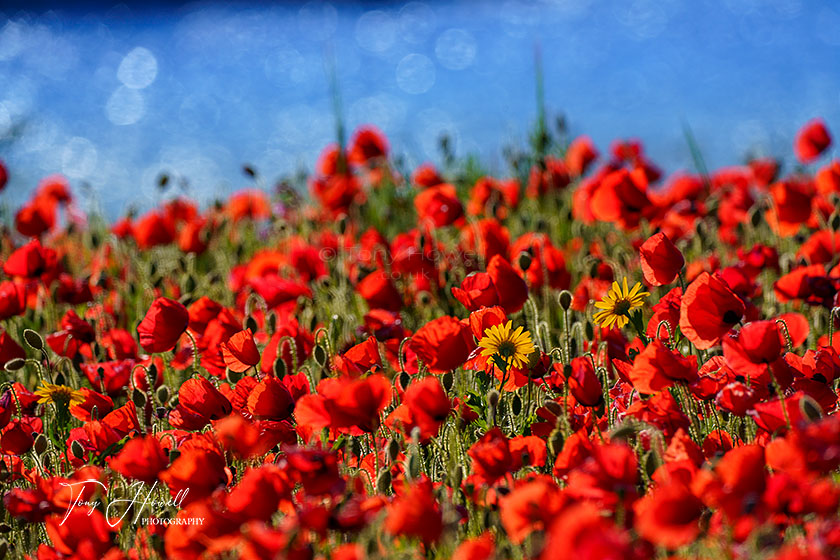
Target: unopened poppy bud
(94, 413)
(383, 481)
(524, 261)
(415, 434)
(233, 376)
(493, 398)
(162, 394)
(553, 407)
(516, 405)
(448, 379)
(33, 339)
(15, 364)
(413, 465)
(77, 450)
(60, 379)
(555, 441)
(457, 476)
(625, 431)
(404, 379)
(565, 299)
(590, 331)
(810, 408)
(393, 449)
(834, 222)
(279, 368)
(251, 324)
(40, 444)
(651, 462)
(271, 322)
(139, 398)
(320, 355)
(173, 454)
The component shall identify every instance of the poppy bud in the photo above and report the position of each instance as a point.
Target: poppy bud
(412, 467)
(554, 407)
(624, 431)
(233, 376)
(15, 364)
(279, 368)
(139, 398)
(404, 379)
(590, 331)
(447, 379)
(162, 394)
(60, 379)
(33, 339)
(565, 299)
(415, 434)
(393, 450)
(174, 454)
(456, 476)
(493, 398)
(651, 462)
(834, 222)
(77, 449)
(251, 324)
(755, 216)
(516, 405)
(555, 441)
(40, 444)
(320, 355)
(271, 322)
(524, 261)
(383, 481)
(809, 407)
(94, 413)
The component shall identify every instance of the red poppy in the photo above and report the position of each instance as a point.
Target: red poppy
(345, 404)
(31, 261)
(164, 323)
(16, 438)
(512, 289)
(531, 506)
(270, 400)
(482, 547)
(477, 290)
(12, 299)
(443, 344)
(142, 458)
(709, 310)
(491, 457)
(379, 292)
(580, 531)
(428, 404)
(669, 516)
(197, 472)
(359, 359)
(425, 175)
(754, 348)
(36, 218)
(812, 140)
(368, 143)
(439, 204)
(828, 178)
(580, 155)
(4, 176)
(661, 260)
(251, 204)
(415, 512)
(82, 531)
(658, 367)
(240, 351)
(584, 383)
(199, 402)
(621, 198)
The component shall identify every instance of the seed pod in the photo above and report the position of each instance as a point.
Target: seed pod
(33, 339)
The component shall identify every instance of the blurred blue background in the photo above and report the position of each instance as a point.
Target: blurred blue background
(111, 96)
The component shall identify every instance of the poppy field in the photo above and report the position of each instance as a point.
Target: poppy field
(584, 357)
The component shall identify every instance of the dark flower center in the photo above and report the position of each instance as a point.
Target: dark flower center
(731, 317)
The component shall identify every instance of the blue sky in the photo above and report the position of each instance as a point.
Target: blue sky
(112, 96)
